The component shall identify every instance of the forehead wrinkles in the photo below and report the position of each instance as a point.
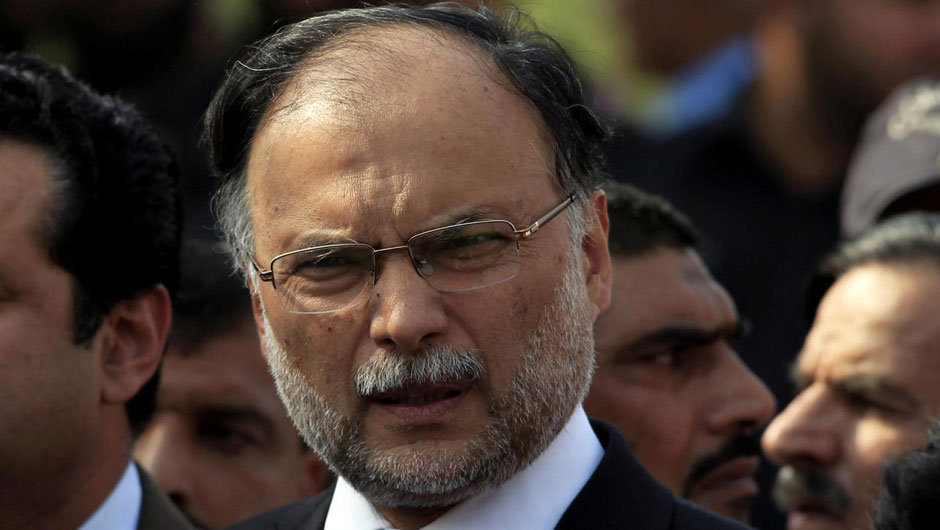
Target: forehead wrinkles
(412, 79)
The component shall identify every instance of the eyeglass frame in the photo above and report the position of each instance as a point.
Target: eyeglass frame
(519, 234)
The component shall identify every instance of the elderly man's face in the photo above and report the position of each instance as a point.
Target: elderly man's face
(437, 139)
(669, 378)
(869, 384)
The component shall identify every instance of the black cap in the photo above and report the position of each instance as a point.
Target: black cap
(899, 154)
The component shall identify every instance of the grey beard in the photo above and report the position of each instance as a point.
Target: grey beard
(554, 376)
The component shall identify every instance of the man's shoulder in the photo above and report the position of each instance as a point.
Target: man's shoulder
(306, 514)
(622, 494)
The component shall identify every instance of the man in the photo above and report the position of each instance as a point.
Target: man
(413, 192)
(763, 181)
(88, 248)
(867, 377)
(667, 374)
(220, 444)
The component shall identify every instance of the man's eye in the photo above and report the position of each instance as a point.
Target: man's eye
(327, 266)
(669, 357)
(474, 242)
(862, 403)
(225, 438)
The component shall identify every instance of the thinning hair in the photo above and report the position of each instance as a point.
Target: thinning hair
(641, 222)
(534, 64)
(905, 239)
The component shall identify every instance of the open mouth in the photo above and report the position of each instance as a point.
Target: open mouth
(421, 395)
(422, 405)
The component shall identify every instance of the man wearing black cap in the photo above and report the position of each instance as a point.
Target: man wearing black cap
(896, 168)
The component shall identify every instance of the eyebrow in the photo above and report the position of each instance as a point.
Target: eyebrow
(867, 384)
(858, 384)
(798, 379)
(691, 335)
(313, 240)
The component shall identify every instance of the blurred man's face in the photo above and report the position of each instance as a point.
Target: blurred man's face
(669, 378)
(859, 50)
(49, 387)
(221, 445)
(439, 142)
(869, 384)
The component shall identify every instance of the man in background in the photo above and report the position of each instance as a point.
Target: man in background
(896, 167)
(220, 444)
(763, 181)
(89, 236)
(667, 373)
(868, 377)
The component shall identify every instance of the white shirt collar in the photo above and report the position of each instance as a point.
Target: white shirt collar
(533, 499)
(121, 509)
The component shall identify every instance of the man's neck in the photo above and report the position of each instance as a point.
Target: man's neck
(65, 490)
(791, 131)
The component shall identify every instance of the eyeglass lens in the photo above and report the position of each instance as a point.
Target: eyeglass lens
(450, 259)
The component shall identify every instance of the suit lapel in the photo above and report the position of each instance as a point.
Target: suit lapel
(620, 493)
(156, 510)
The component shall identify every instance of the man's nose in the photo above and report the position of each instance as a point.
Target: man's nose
(806, 432)
(407, 313)
(740, 402)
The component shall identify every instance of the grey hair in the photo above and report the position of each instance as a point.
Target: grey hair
(535, 65)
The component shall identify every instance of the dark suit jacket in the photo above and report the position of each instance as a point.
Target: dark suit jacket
(156, 510)
(620, 494)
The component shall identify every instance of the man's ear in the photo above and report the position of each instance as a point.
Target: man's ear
(596, 256)
(132, 340)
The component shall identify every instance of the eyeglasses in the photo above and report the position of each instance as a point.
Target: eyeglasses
(455, 258)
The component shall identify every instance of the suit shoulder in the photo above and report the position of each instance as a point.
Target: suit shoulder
(688, 516)
(306, 513)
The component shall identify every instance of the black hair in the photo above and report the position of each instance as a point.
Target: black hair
(641, 222)
(536, 65)
(211, 301)
(908, 238)
(115, 221)
(911, 490)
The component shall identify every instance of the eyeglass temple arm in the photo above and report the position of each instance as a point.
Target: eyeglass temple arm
(541, 221)
(265, 275)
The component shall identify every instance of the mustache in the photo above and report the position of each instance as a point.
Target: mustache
(432, 365)
(809, 485)
(745, 445)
